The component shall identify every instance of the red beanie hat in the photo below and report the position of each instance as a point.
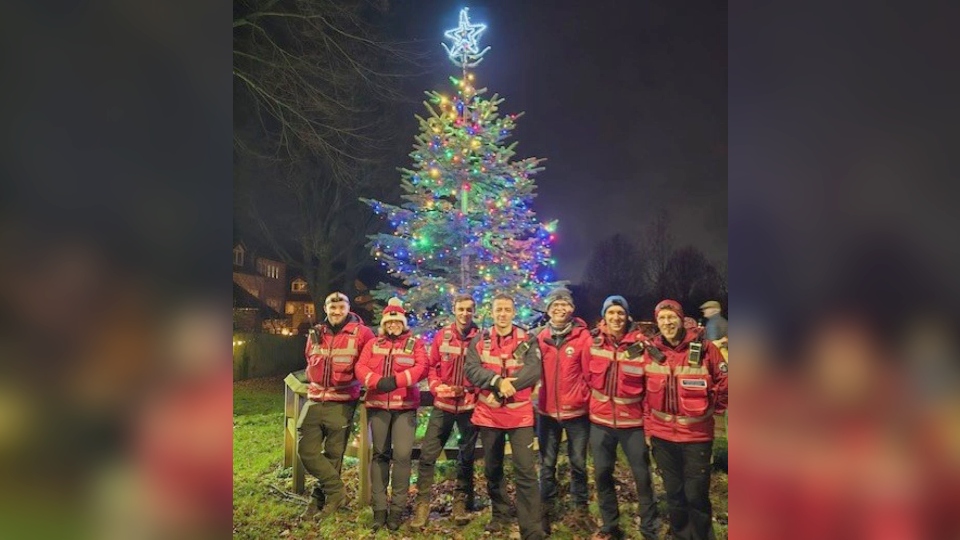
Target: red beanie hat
(669, 305)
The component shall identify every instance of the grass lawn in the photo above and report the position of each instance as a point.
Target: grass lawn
(264, 505)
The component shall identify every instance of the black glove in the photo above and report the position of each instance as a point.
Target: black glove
(387, 384)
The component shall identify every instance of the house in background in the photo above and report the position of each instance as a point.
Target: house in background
(250, 314)
(299, 306)
(264, 279)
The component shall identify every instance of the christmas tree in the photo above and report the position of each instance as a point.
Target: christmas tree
(466, 225)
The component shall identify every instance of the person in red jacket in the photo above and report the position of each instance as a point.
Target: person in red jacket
(454, 399)
(390, 366)
(686, 384)
(615, 374)
(562, 406)
(326, 420)
(504, 365)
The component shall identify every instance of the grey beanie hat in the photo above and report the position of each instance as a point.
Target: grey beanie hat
(560, 294)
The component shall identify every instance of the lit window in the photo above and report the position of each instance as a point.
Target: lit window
(308, 310)
(298, 286)
(238, 256)
(291, 308)
(269, 270)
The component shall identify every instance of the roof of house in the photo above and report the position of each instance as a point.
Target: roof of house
(243, 299)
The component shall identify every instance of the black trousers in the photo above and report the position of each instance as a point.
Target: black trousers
(603, 445)
(525, 475)
(549, 432)
(392, 433)
(685, 468)
(438, 431)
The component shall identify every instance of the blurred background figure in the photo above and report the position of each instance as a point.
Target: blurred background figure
(716, 326)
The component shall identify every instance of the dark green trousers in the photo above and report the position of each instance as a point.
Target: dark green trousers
(324, 430)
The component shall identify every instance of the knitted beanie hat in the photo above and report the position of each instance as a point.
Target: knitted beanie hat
(614, 300)
(669, 305)
(394, 312)
(560, 294)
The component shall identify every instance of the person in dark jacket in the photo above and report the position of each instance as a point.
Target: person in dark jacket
(716, 327)
(505, 366)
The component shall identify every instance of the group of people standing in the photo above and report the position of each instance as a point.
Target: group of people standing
(603, 387)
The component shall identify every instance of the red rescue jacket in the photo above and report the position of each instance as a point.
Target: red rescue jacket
(447, 358)
(684, 391)
(331, 359)
(403, 357)
(491, 357)
(615, 373)
(564, 393)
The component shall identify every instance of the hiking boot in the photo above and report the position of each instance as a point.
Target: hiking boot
(379, 520)
(460, 516)
(334, 502)
(394, 519)
(421, 513)
(547, 516)
(311, 510)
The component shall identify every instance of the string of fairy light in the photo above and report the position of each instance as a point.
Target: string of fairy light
(466, 202)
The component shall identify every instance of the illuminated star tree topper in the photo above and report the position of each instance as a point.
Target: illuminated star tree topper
(465, 51)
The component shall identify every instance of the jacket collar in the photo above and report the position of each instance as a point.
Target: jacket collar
(686, 338)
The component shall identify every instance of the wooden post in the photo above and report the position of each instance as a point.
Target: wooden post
(294, 397)
(289, 439)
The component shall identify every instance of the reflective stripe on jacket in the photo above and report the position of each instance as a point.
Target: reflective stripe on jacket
(490, 358)
(403, 357)
(684, 390)
(615, 374)
(331, 360)
(563, 390)
(447, 358)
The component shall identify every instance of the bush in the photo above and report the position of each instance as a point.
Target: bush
(263, 355)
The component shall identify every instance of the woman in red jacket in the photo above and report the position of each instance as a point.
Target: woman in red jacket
(390, 367)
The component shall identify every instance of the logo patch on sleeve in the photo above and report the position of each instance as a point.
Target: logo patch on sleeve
(693, 383)
(723, 367)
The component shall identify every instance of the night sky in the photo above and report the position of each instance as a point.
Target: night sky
(626, 100)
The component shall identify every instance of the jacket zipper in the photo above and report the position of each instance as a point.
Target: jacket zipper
(458, 377)
(674, 399)
(388, 369)
(613, 386)
(556, 388)
(328, 366)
